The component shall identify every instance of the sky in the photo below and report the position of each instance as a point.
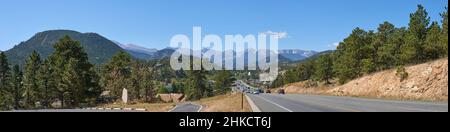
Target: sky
(302, 24)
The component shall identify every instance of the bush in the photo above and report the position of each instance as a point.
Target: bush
(402, 73)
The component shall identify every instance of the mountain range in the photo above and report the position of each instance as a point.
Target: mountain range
(101, 49)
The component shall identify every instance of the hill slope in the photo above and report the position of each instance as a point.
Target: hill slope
(97, 47)
(428, 81)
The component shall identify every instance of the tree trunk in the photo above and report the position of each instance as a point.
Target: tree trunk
(62, 100)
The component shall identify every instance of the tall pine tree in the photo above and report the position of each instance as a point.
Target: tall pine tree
(431, 47)
(444, 35)
(412, 50)
(46, 84)
(324, 68)
(5, 94)
(16, 83)
(72, 83)
(30, 80)
(117, 74)
(68, 50)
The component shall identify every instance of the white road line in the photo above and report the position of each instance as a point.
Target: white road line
(201, 107)
(173, 108)
(252, 104)
(276, 104)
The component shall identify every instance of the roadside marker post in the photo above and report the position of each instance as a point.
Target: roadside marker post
(242, 100)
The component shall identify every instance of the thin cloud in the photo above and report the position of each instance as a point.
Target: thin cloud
(334, 45)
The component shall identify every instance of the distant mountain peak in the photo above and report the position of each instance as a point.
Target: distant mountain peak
(136, 47)
(99, 48)
(297, 54)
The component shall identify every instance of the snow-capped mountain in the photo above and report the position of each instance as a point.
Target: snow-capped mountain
(137, 48)
(138, 51)
(296, 54)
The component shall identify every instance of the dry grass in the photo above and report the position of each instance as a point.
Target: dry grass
(224, 103)
(153, 107)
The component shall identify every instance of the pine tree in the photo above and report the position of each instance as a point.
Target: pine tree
(16, 83)
(30, 80)
(72, 83)
(117, 73)
(324, 68)
(223, 80)
(432, 44)
(349, 56)
(5, 94)
(136, 80)
(196, 83)
(46, 84)
(382, 46)
(389, 53)
(68, 50)
(412, 51)
(92, 89)
(148, 85)
(444, 35)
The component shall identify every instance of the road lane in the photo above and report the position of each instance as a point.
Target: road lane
(73, 110)
(317, 103)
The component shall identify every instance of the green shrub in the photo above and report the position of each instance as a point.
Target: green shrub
(402, 73)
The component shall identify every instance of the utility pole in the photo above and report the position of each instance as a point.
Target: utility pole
(242, 100)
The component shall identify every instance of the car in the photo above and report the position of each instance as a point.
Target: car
(268, 91)
(256, 92)
(281, 91)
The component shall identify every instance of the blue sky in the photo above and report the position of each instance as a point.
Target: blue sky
(309, 24)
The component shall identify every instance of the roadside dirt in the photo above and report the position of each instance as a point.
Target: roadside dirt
(224, 103)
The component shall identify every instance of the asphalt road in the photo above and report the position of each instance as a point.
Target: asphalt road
(316, 103)
(187, 107)
(71, 110)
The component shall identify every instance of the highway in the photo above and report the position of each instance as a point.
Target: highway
(317, 103)
(72, 110)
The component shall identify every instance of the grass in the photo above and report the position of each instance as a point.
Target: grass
(221, 103)
(151, 107)
(225, 103)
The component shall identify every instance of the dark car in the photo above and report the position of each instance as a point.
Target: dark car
(281, 91)
(268, 91)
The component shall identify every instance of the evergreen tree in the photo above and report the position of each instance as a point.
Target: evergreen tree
(304, 71)
(412, 51)
(16, 83)
(196, 83)
(72, 83)
(324, 68)
(148, 85)
(136, 80)
(46, 84)
(5, 94)
(223, 80)
(349, 56)
(117, 73)
(382, 46)
(30, 80)
(432, 44)
(444, 35)
(68, 50)
(389, 53)
(93, 88)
